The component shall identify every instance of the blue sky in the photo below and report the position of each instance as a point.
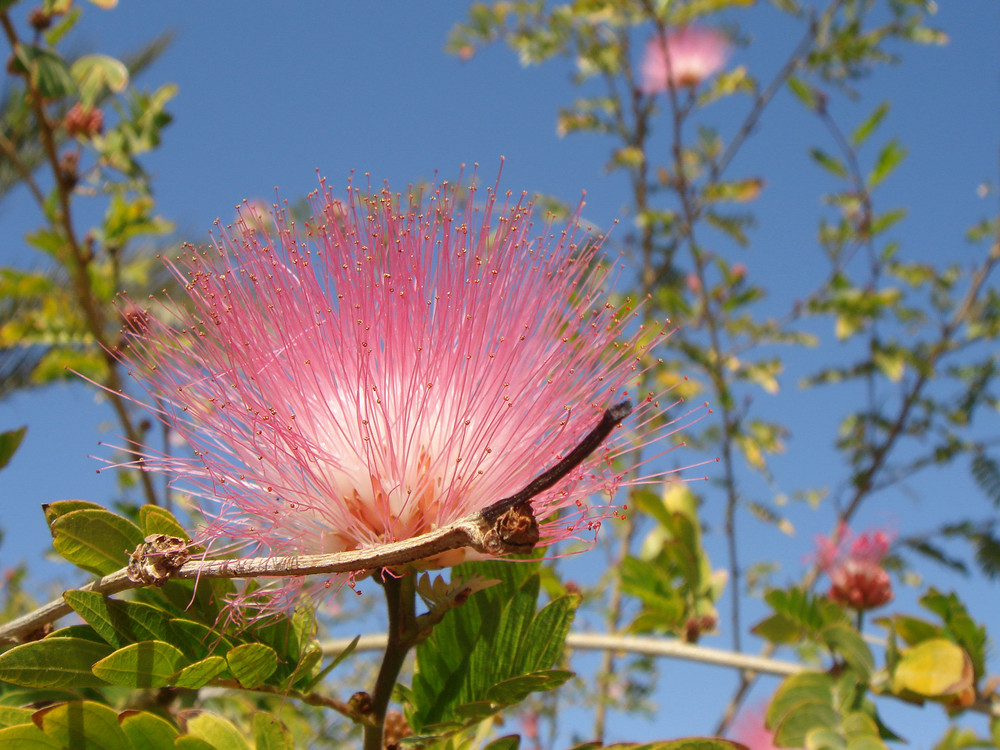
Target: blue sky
(275, 91)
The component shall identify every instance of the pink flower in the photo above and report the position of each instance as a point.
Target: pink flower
(751, 731)
(853, 564)
(684, 57)
(391, 365)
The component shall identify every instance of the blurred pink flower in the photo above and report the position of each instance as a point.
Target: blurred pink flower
(685, 57)
(750, 730)
(854, 566)
(390, 366)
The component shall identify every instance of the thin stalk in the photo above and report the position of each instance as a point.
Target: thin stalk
(400, 599)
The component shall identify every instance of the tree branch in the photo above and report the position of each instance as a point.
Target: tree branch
(487, 531)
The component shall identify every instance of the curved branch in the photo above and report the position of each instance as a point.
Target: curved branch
(487, 531)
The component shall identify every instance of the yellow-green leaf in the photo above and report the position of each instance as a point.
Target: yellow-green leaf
(213, 729)
(82, 724)
(270, 734)
(147, 731)
(933, 668)
(200, 673)
(252, 663)
(147, 664)
(94, 73)
(95, 539)
(54, 663)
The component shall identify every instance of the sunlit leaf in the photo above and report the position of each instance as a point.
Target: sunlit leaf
(252, 663)
(95, 539)
(933, 668)
(200, 673)
(83, 724)
(53, 662)
(270, 734)
(148, 664)
(213, 729)
(95, 73)
(119, 622)
(147, 731)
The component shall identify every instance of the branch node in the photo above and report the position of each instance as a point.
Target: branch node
(515, 531)
(157, 559)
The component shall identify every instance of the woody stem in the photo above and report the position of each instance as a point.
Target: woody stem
(401, 606)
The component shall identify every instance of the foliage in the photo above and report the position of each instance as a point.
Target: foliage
(914, 378)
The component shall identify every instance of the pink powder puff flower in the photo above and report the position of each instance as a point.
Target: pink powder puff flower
(854, 566)
(390, 366)
(684, 57)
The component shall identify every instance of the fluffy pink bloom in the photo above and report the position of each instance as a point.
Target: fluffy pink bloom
(854, 566)
(390, 366)
(685, 57)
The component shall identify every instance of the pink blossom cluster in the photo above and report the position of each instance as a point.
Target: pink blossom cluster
(392, 364)
(854, 566)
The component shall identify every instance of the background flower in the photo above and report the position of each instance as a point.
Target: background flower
(853, 564)
(751, 730)
(389, 367)
(685, 57)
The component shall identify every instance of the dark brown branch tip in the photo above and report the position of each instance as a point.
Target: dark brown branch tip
(157, 558)
(609, 420)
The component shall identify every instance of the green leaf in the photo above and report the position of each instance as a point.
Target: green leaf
(85, 632)
(95, 539)
(200, 673)
(890, 157)
(157, 520)
(270, 734)
(495, 637)
(736, 191)
(148, 664)
(189, 742)
(847, 642)
(10, 440)
(53, 662)
(28, 737)
(52, 511)
(13, 715)
(805, 93)
(197, 640)
(867, 127)
(147, 731)
(516, 689)
(510, 742)
(49, 72)
(546, 634)
(213, 729)
(83, 724)
(252, 663)
(304, 669)
(120, 623)
(831, 164)
(94, 73)
(803, 703)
